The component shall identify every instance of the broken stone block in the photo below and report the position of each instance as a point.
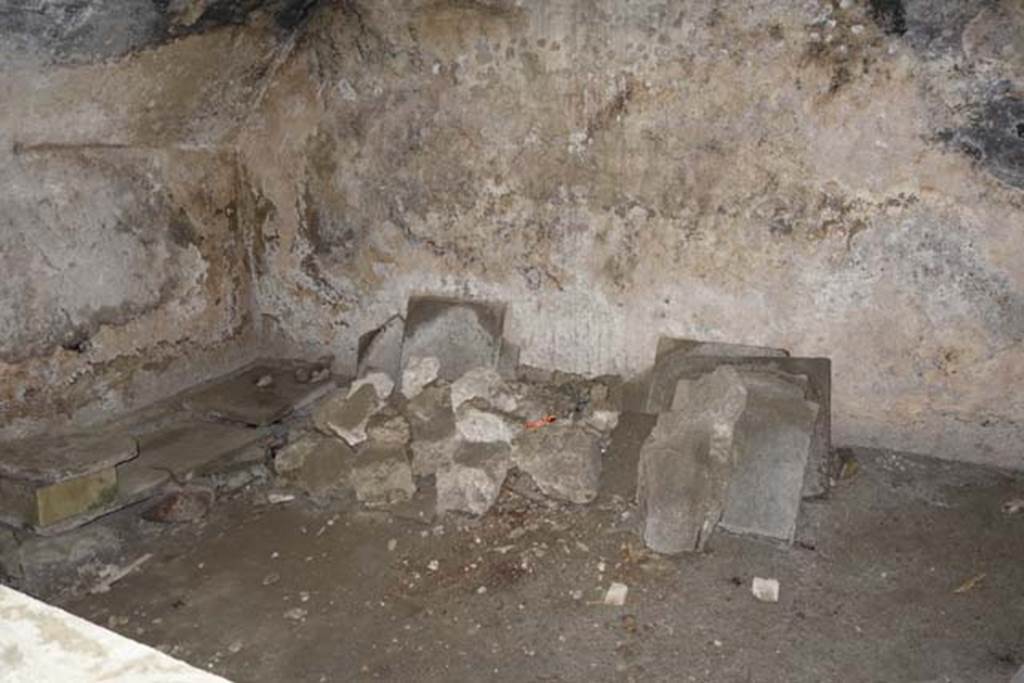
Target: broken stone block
(472, 480)
(388, 426)
(687, 461)
(381, 475)
(257, 395)
(430, 414)
(418, 373)
(564, 460)
(476, 424)
(429, 456)
(673, 365)
(486, 384)
(773, 440)
(462, 335)
(345, 414)
(315, 464)
(380, 350)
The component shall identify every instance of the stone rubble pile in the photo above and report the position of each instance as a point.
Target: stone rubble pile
(740, 435)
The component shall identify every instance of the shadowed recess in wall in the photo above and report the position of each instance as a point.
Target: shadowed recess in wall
(91, 30)
(994, 136)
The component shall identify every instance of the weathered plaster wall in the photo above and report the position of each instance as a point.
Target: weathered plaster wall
(841, 179)
(124, 254)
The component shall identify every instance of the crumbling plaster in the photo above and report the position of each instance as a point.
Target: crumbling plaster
(826, 177)
(125, 259)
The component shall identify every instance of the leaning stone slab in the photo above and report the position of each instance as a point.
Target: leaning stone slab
(472, 480)
(773, 440)
(681, 363)
(687, 461)
(461, 334)
(563, 459)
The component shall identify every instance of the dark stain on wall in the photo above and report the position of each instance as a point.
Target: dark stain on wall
(994, 135)
(78, 31)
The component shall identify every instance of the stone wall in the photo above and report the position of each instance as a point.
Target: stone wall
(840, 179)
(123, 245)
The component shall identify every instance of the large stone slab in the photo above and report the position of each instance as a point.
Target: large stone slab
(773, 440)
(687, 461)
(681, 363)
(259, 394)
(461, 334)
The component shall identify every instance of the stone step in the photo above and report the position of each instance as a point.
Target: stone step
(55, 482)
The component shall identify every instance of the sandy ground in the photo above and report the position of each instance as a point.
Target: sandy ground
(305, 592)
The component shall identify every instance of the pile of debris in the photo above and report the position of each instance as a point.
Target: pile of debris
(453, 417)
(740, 435)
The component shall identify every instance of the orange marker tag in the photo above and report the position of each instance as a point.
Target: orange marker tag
(537, 424)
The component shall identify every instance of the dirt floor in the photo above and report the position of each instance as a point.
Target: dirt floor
(908, 571)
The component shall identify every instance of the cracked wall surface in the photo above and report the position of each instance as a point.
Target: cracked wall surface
(840, 179)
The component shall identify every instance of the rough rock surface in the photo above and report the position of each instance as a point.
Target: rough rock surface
(381, 475)
(472, 480)
(314, 463)
(564, 460)
(388, 426)
(346, 414)
(484, 383)
(773, 440)
(418, 373)
(476, 423)
(687, 462)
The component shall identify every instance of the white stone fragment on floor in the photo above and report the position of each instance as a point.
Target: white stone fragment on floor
(616, 594)
(765, 590)
(418, 373)
(1013, 506)
(44, 643)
